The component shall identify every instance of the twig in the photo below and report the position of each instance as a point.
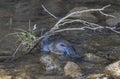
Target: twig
(113, 30)
(81, 21)
(73, 13)
(49, 12)
(29, 26)
(37, 42)
(107, 14)
(17, 49)
(106, 6)
(10, 24)
(82, 28)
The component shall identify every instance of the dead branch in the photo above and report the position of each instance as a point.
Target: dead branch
(76, 13)
(65, 20)
(17, 49)
(49, 12)
(81, 21)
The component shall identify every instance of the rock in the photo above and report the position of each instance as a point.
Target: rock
(96, 76)
(114, 21)
(30, 66)
(5, 77)
(88, 16)
(113, 70)
(52, 64)
(22, 76)
(4, 73)
(94, 58)
(72, 69)
(53, 77)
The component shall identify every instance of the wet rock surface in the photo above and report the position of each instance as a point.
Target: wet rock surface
(22, 76)
(53, 77)
(114, 21)
(113, 70)
(6, 77)
(94, 59)
(73, 70)
(52, 64)
(97, 76)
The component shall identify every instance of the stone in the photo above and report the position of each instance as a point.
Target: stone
(113, 21)
(97, 76)
(113, 70)
(53, 77)
(5, 77)
(52, 64)
(22, 75)
(72, 69)
(94, 58)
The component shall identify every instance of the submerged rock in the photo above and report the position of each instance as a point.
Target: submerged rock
(22, 75)
(4, 73)
(114, 21)
(52, 64)
(72, 69)
(5, 77)
(97, 76)
(113, 70)
(53, 77)
(94, 58)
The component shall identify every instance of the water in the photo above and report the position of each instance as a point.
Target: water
(17, 15)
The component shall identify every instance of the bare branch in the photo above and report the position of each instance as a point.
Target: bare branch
(29, 25)
(113, 30)
(65, 20)
(76, 12)
(106, 6)
(81, 21)
(69, 29)
(17, 49)
(82, 28)
(49, 12)
(107, 14)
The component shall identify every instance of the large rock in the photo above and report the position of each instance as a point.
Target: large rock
(94, 58)
(72, 69)
(97, 76)
(5, 77)
(53, 77)
(52, 64)
(22, 75)
(113, 70)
